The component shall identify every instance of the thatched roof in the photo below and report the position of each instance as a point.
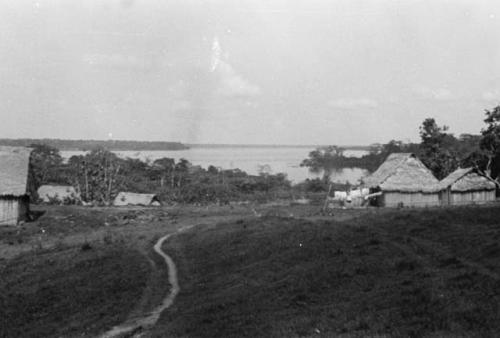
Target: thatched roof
(466, 179)
(403, 172)
(130, 198)
(14, 166)
(58, 192)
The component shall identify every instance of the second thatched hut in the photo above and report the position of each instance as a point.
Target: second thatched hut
(466, 186)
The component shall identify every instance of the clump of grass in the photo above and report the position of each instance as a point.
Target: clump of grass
(86, 246)
(108, 238)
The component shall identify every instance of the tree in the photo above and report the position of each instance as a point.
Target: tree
(324, 160)
(181, 171)
(489, 157)
(45, 162)
(437, 149)
(166, 167)
(96, 175)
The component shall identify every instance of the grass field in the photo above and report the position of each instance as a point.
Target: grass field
(78, 271)
(70, 292)
(394, 273)
(431, 272)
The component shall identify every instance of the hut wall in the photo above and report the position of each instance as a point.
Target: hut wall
(9, 211)
(24, 208)
(472, 197)
(13, 210)
(410, 199)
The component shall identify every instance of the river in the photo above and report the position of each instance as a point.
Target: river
(249, 159)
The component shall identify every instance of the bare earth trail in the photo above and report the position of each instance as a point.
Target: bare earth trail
(137, 325)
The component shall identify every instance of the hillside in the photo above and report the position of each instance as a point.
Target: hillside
(79, 271)
(392, 273)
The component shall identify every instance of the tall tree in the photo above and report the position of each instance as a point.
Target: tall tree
(96, 175)
(165, 168)
(490, 146)
(45, 162)
(437, 149)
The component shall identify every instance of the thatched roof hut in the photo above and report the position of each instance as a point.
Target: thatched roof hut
(403, 172)
(65, 194)
(466, 186)
(14, 199)
(130, 198)
(404, 180)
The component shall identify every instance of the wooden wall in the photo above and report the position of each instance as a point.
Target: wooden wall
(472, 197)
(414, 199)
(13, 210)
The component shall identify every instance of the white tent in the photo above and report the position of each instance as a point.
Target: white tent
(130, 198)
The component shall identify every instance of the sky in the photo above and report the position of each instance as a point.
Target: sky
(246, 72)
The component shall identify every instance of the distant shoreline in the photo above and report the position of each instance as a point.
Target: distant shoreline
(130, 145)
(313, 146)
(85, 145)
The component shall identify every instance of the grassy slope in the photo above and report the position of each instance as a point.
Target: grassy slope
(50, 287)
(70, 292)
(53, 287)
(402, 273)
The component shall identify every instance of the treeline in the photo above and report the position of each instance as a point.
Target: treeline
(441, 151)
(85, 145)
(100, 174)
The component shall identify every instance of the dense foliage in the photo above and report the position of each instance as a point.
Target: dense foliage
(100, 174)
(439, 150)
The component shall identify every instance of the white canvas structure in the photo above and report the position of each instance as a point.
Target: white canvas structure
(130, 198)
(58, 193)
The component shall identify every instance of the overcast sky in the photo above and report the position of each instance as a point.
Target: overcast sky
(256, 71)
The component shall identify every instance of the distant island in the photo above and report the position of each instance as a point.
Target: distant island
(84, 145)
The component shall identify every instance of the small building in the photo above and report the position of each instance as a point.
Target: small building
(58, 194)
(130, 198)
(403, 180)
(14, 198)
(466, 186)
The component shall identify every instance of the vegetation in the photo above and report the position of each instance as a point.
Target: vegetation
(439, 150)
(392, 273)
(100, 174)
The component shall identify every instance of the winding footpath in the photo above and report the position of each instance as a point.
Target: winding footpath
(138, 325)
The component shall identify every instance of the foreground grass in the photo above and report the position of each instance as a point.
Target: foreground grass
(78, 271)
(69, 292)
(401, 273)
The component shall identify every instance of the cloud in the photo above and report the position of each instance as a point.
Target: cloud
(127, 3)
(351, 103)
(491, 95)
(438, 94)
(180, 105)
(232, 84)
(116, 61)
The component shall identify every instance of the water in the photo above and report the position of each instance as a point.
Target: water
(249, 159)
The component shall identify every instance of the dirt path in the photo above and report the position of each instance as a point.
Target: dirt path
(137, 325)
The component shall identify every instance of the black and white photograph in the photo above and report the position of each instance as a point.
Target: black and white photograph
(249, 168)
